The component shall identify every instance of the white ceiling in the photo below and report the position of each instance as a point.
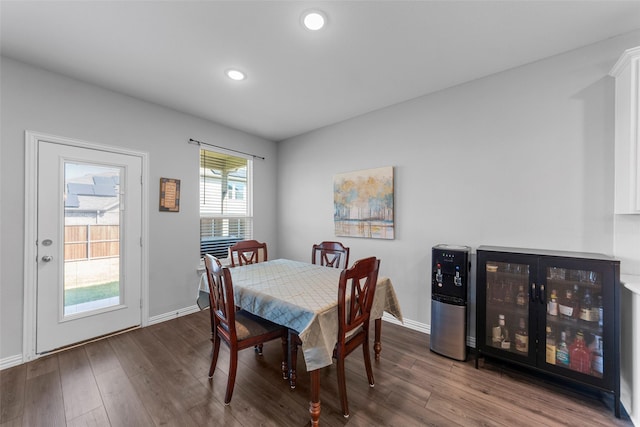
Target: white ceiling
(372, 54)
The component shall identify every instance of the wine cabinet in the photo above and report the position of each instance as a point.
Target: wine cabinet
(552, 311)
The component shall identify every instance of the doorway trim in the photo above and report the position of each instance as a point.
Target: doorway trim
(30, 231)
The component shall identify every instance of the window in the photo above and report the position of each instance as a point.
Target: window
(225, 202)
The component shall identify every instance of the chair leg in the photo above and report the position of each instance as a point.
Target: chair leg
(285, 355)
(233, 368)
(214, 355)
(294, 342)
(342, 385)
(367, 362)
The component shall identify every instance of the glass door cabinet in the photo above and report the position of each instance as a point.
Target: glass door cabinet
(556, 312)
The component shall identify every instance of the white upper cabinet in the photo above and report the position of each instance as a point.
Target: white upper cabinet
(627, 142)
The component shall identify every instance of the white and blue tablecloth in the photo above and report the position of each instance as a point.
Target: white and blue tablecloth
(302, 297)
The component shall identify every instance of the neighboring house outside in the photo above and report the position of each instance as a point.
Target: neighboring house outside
(92, 199)
(224, 218)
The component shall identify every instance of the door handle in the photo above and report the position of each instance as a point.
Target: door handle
(532, 294)
(47, 258)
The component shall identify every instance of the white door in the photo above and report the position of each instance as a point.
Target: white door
(89, 255)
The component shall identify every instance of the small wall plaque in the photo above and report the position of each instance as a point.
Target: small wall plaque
(169, 195)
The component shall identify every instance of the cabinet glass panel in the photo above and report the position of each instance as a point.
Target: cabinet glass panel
(508, 306)
(574, 320)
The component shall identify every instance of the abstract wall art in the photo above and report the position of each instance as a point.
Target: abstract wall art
(363, 203)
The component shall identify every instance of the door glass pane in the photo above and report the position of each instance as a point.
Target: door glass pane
(508, 306)
(574, 320)
(91, 237)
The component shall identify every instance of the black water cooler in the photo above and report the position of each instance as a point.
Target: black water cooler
(449, 284)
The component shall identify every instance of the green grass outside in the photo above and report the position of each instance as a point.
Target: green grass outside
(91, 293)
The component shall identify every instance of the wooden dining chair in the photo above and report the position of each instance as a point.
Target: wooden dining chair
(248, 252)
(359, 282)
(238, 329)
(354, 311)
(331, 254)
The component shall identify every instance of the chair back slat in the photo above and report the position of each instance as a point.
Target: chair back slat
(330, 254)
(248, 252)
(361, 281)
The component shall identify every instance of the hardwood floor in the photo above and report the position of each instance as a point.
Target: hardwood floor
(157, 376)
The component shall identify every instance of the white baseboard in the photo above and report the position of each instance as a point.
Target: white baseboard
(11, 361)
(420, 327)
(407, 323)
(173, 315)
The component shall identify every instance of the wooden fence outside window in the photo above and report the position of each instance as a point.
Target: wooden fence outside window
(82, 242)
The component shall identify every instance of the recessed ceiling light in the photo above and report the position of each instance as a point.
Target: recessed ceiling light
(234, 74)
(314, 20)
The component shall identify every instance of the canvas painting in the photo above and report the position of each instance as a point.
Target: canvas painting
(363, 203)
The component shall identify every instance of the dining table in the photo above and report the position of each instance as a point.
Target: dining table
(304, 298)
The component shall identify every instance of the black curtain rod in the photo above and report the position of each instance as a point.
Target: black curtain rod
(196, 142)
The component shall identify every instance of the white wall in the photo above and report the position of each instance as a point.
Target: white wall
(521, 158)
(627, 242)
(37, 100)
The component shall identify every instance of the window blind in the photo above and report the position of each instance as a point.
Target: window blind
(225, 202)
